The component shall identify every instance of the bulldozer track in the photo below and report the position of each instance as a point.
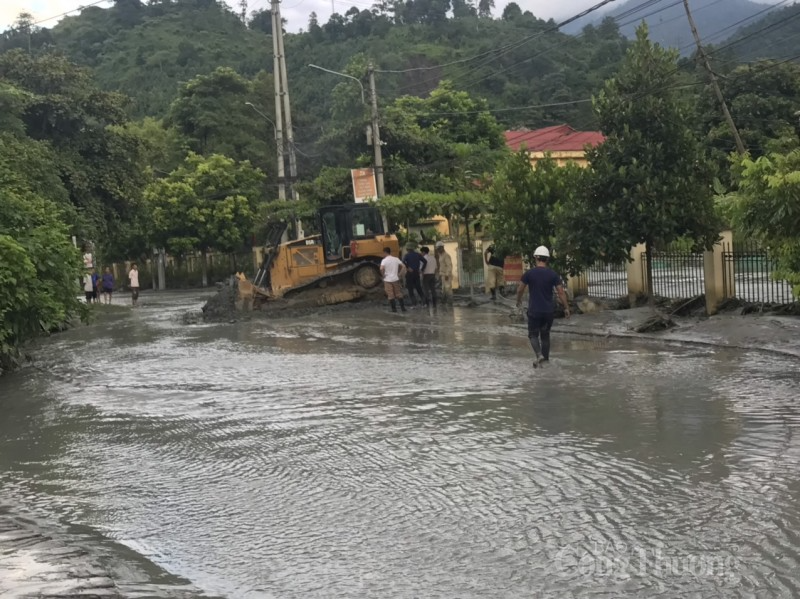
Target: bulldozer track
(329, 277)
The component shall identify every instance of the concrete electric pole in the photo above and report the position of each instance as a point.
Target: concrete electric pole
(376, 135)
(283, 110)
(739, 143)
(276, 76)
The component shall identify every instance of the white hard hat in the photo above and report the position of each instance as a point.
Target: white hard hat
(541, 252)
(440, 244)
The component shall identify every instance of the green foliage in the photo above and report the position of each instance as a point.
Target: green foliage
(333, 185)
(767, 206)
(142, 50)
(39, 266)
(412, 207)
(773, 36)
(525, 201)
(440, 143)
(164, 147)
(100, 165)
(651, 181)
(206, 203)
(764, 99)
(212, 114)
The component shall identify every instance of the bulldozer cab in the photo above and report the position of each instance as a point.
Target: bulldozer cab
(340, 225)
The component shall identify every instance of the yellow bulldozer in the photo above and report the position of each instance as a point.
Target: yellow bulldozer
(340, 264)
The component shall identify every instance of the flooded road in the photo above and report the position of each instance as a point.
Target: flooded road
(365, 454)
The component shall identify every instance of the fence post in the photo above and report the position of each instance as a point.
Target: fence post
(637, 283)
(728, 266)
(713, 265)
(578, 285)
(258, 258)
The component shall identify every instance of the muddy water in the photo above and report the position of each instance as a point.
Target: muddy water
(373, 455)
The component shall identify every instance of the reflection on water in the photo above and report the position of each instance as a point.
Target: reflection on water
(380, 455)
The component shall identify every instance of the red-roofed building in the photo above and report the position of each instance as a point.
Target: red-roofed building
(562, 142)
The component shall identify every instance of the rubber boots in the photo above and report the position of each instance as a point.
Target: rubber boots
(393, 304)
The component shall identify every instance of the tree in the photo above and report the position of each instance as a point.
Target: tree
(261, 20)
(767, 206)
(485, 8)
(434, 142)
(652, 181)
(206, 203)
(512, 11)
(39, 266)
(524, 202)
(764, 99)
(211, 112)
(463, 9)
(100, 165)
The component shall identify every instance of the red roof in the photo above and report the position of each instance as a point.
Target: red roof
(559, 138)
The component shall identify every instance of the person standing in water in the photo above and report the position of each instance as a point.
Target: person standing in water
(133, 277)
(107, 285)
(392, 269)
(540, 282)
(444, 271)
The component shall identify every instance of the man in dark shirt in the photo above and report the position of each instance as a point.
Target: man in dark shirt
(540, 282)
(414, 265)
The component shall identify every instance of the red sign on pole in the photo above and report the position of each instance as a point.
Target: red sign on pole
(364, 187)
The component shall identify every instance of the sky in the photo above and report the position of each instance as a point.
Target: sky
(295, 11)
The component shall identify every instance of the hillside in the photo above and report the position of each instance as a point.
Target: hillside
(775, 36)
(716, 19)
(147, 50)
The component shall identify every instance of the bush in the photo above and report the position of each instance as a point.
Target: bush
(39, 272)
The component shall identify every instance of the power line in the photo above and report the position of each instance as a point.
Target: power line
(64, 14)
(505, 48)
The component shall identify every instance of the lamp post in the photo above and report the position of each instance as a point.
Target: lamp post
(279, 147)
(376, 136)
(361, 85)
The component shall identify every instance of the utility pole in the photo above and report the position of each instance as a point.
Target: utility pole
(376, 135)
(276, 76)
(287, 108)
(282, 84)
(739, 143)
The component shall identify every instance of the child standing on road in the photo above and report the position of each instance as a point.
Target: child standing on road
(133, 277)
(107, 285)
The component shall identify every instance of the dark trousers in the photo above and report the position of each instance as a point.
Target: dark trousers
(539, 325)
(429, 286)
(413, 284)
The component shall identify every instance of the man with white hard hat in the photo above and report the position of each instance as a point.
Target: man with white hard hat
(540, 282)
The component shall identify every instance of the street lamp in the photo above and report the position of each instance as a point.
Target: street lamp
(265, 117)
(361, 85)
(279, 148)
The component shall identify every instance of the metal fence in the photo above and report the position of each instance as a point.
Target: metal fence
(471, 268)
(677, 273)
(747, 273)
(607, 280)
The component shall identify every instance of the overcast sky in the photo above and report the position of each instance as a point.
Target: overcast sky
(295, 11)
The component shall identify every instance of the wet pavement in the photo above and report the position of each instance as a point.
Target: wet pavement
(365, 454)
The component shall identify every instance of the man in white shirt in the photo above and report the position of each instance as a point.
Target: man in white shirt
(133, 277)
(392, 269)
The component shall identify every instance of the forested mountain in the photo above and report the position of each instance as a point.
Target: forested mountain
(776, 36)
(145, 51)
(716, 20)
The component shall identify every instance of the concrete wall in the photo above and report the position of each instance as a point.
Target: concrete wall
(561, 158)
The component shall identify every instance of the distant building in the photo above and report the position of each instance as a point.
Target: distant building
(562, 142)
